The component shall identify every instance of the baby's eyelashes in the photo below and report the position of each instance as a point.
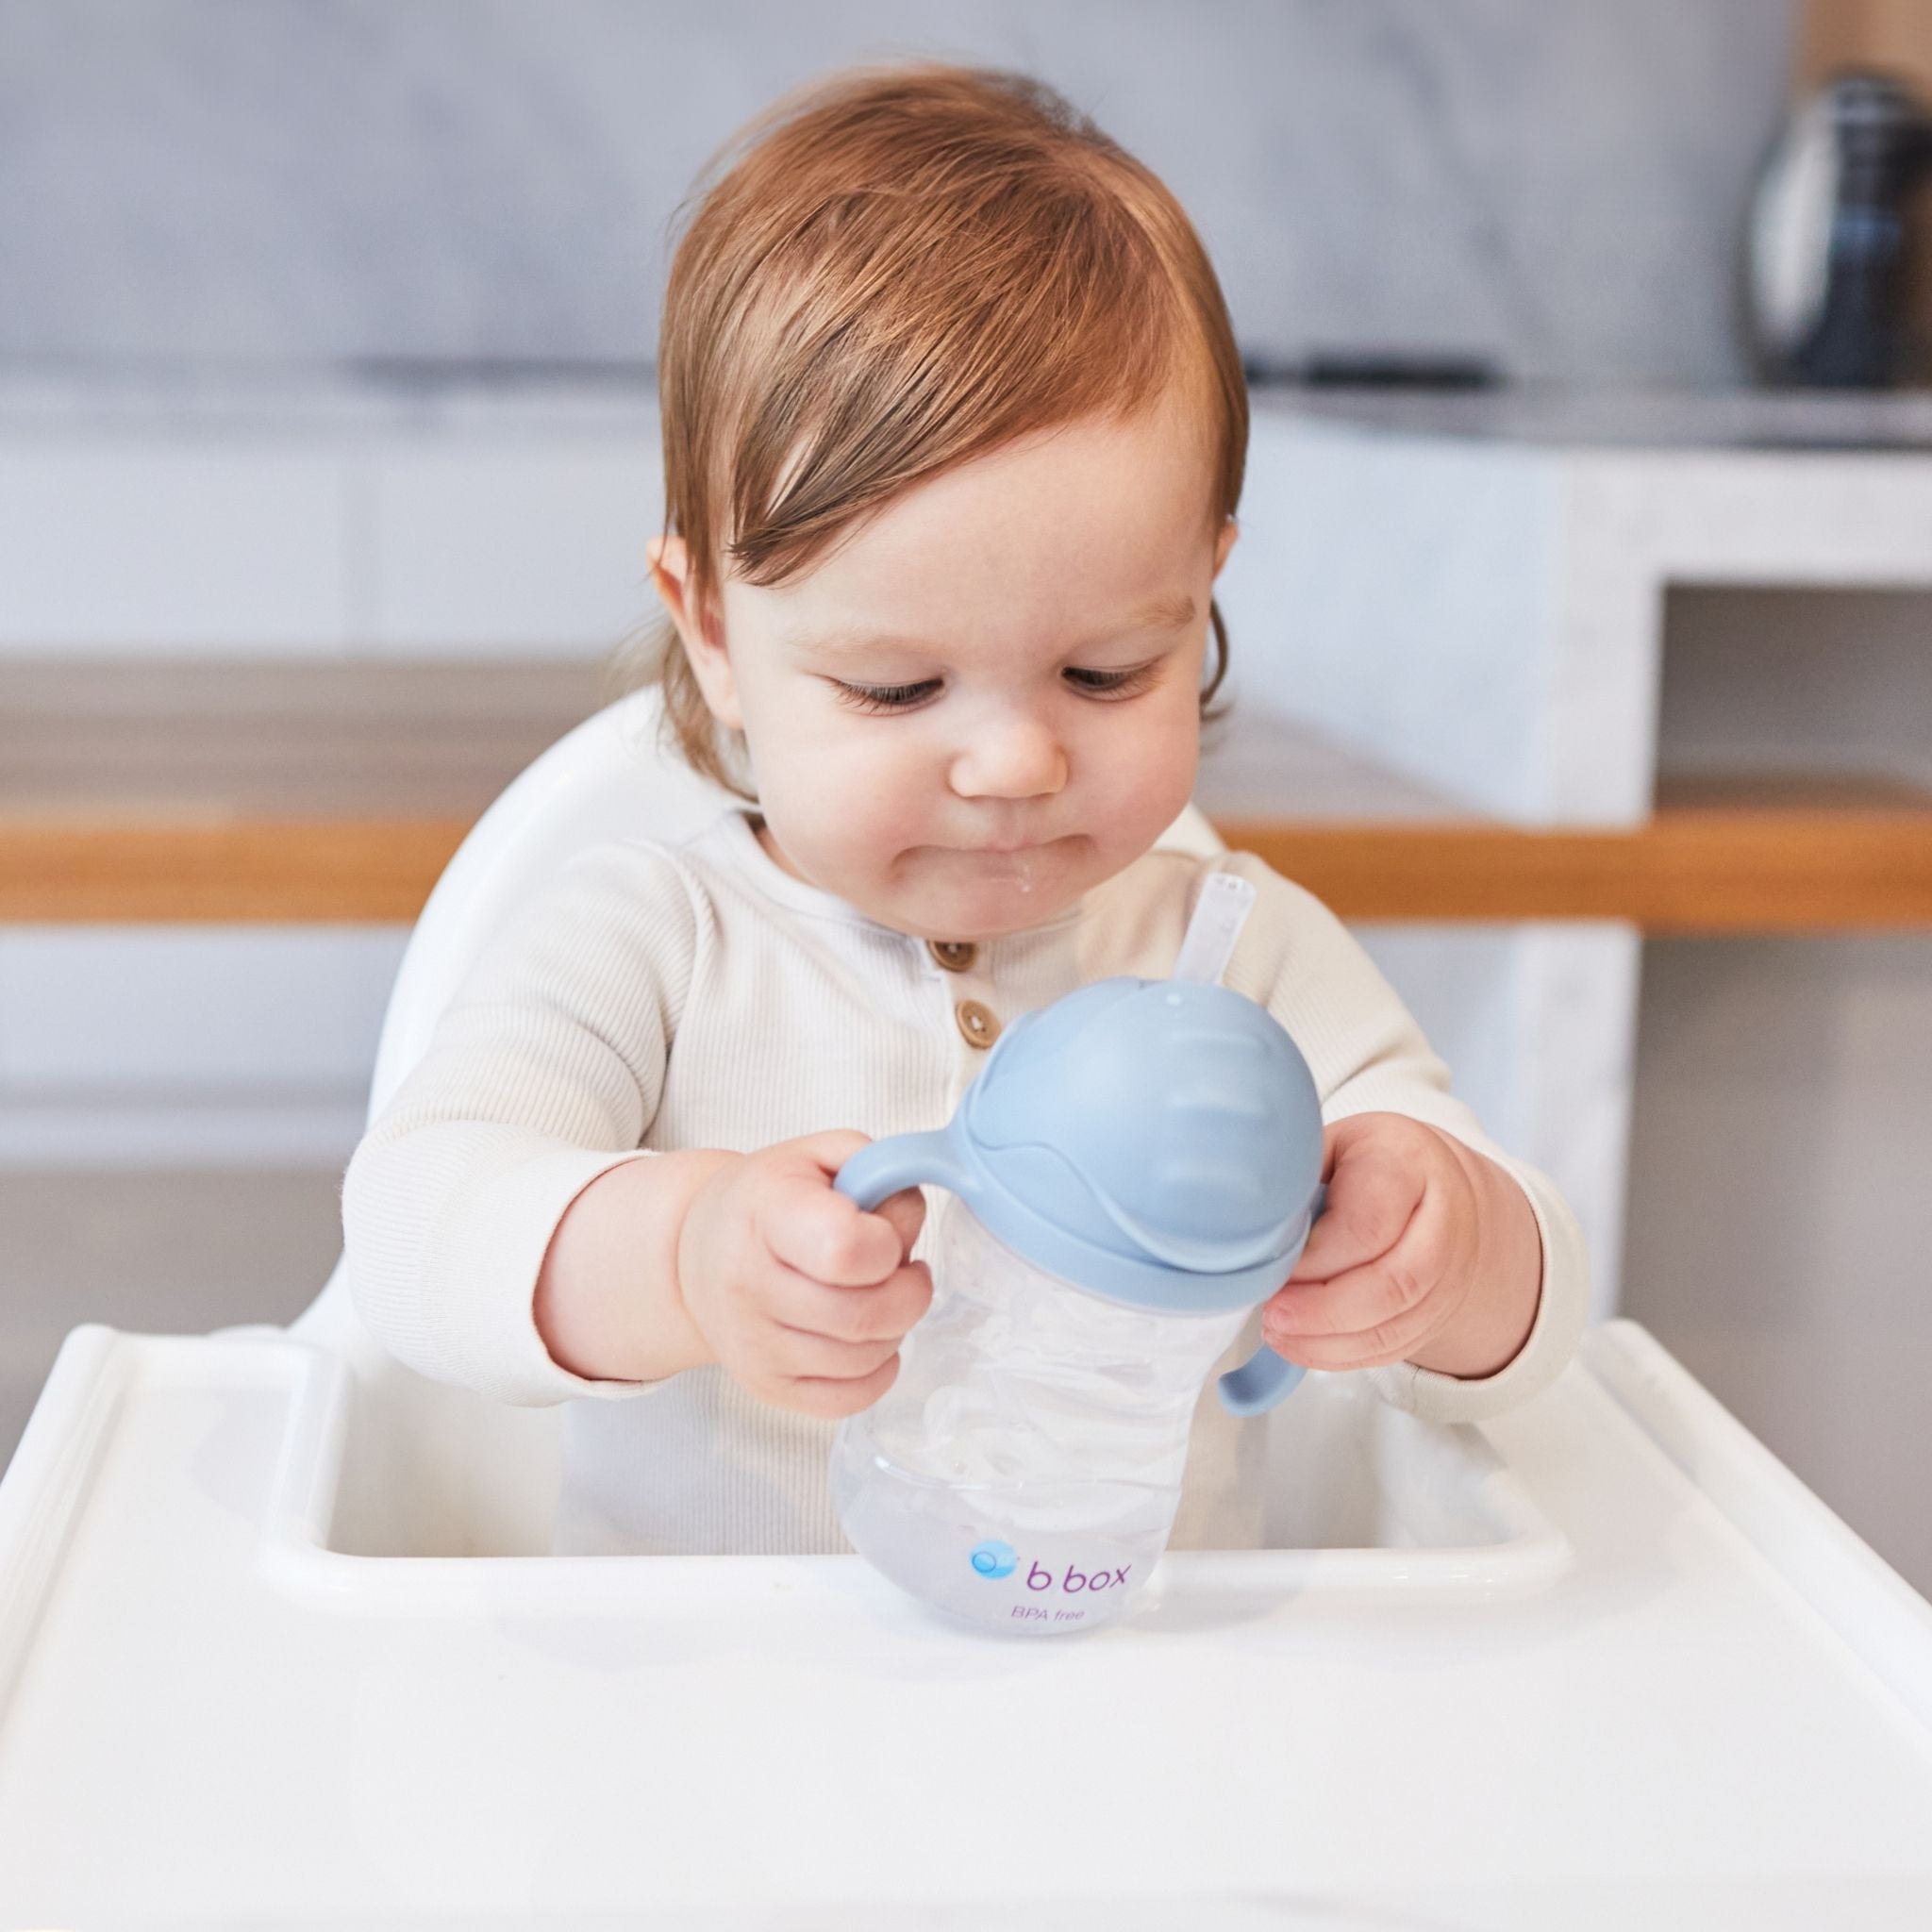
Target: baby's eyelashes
(883, 697)
(1113, 683)
(900, 697)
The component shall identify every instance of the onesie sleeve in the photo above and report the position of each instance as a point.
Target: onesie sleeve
(545, 1073)
(1368, 1055)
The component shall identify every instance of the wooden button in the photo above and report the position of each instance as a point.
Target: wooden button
(978, 1026)
(955, 955)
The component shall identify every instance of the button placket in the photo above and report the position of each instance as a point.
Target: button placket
(978, 1025)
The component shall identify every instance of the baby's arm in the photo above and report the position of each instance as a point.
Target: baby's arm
(505, 1231)
(1452, 1272)
(540, 1079)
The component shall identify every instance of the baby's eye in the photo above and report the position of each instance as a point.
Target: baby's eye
(1112, 684)
(903, 697)
(882, 697)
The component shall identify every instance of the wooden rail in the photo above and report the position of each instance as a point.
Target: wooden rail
(1687, 870)
(1693, 870)
(336, 794)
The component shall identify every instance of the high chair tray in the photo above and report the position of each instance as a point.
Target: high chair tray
(1664, 1685)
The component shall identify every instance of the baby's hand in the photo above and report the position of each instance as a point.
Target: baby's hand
(803, 1297)
(1427, 1253)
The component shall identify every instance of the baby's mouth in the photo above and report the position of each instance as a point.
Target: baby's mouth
(1017, 866)
(1005, 848)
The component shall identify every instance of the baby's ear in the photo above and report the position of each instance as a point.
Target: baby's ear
(670, 562)
(699, 628)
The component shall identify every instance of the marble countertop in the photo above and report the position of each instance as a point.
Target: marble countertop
(323, 400)
(1632, 418)
(622, 398)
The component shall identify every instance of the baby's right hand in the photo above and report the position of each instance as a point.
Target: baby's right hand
(800, 1294)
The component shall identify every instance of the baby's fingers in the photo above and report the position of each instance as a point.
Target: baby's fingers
(905, 1210)
(1374, 1187)
(883, 1312)
(1380, 1312)
(833, 1351)
(833, 1399)
(800, 1357)
(823, 1234)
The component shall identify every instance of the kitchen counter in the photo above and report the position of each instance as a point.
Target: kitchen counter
(1656, 418)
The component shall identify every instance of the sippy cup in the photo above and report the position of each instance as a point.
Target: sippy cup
(1137, 1166)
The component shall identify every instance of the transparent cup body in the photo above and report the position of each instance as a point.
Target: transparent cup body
(1024, 1470)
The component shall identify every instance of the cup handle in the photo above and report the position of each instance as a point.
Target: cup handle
(1266, 1377)
(1259, 1383)
(883, 1168)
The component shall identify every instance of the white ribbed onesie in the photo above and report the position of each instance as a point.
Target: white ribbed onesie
(661, 996)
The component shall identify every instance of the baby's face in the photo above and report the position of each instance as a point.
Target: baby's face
(987, 701)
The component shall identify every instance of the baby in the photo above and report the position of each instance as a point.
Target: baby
(954, 434)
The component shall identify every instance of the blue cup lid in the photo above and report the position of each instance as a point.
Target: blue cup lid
(1154, 1141)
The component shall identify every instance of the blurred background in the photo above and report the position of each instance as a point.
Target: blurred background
(1582, 621)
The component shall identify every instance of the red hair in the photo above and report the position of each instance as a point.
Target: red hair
(903, 269)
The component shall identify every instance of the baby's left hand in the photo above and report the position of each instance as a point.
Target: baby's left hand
(1427, 1253)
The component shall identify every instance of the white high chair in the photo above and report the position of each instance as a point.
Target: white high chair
(482, 1477)
(1600, 1660)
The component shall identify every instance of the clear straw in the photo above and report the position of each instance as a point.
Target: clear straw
(1220, 913)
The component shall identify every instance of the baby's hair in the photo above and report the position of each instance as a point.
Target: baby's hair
(903, 269)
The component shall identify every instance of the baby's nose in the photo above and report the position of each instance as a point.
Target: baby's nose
(1018, 757)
